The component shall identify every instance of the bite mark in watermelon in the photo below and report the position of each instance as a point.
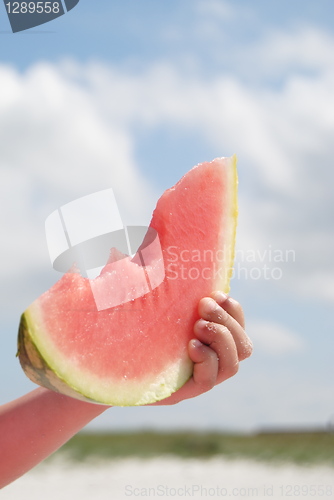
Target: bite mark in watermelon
(136, 353)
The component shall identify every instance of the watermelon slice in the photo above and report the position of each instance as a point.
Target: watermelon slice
(135, 353)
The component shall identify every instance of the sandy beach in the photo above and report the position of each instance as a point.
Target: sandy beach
(170, 477)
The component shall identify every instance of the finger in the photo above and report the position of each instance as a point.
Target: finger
(206, 365)
(209, 310)
(220, 340)
(231, 306)
(204, 375)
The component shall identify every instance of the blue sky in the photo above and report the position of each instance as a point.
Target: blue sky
(131, 95)
(140, 32)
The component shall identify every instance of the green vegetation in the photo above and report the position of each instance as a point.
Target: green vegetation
(303, 448)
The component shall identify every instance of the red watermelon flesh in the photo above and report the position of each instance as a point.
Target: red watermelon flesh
(135, 353)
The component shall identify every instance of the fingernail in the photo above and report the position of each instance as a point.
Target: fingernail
(211, 305)
(200, 324)
(196, 343)
(221, 296)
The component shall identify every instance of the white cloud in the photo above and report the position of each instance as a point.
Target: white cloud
(274, 339)
(65, 141)
(304, 47)
(68, 130)
(56, 145)
(283, 138)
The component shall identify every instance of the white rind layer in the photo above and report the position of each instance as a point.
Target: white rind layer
(229, 223)
(108, 391)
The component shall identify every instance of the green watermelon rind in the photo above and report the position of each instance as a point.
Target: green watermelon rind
(36, 367)
(39, 360)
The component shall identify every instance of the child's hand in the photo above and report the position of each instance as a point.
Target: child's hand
(220, 343)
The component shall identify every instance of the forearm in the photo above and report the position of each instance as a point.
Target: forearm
(37, 424)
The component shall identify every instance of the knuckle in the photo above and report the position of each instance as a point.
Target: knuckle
(215, 334)
(224, 330)
(220, 315)
(246, 349)
(214, 331)
(214, 312)
(232, 370)
(206, 385)
(235, 305)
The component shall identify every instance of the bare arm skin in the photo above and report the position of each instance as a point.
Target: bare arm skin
(37, 424)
